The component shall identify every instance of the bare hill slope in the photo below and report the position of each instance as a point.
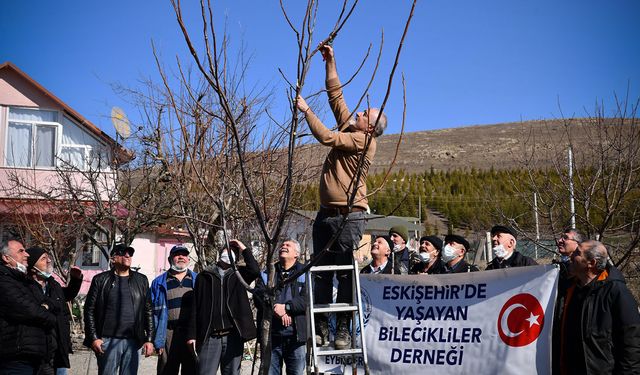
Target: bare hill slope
(480, 146)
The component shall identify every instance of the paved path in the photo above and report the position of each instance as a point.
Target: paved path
(83, 362)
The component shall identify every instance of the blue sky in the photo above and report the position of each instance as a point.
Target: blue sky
(466, 62)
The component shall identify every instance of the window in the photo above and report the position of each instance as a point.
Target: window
(31, 138)
(78, 149)
(91, 254)
(46, 139)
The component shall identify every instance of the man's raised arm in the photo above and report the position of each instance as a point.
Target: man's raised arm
(334, 91)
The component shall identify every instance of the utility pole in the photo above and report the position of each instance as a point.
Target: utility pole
(488, 247)
(571, 202)
(535, 211)
(420, 213)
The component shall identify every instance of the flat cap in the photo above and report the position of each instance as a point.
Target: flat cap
(503, 229)
(434, 240)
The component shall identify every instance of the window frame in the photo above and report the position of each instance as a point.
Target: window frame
(88, 150)
(34, 130)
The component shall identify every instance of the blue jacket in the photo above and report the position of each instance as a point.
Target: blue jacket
(298, 302)
(158, 293)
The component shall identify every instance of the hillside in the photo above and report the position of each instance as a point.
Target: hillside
(480, 146)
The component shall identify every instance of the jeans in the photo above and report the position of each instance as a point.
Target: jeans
(118, 353)
(61, 371)
(176, 353)
(289, 350)
(224, 352)
(340, 253)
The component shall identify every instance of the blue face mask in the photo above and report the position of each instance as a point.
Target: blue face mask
(44, 274)
(449, 253)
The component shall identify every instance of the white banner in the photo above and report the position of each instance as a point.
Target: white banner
(490, 322)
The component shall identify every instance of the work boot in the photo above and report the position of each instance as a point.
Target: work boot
(343, 337)
(322, 333)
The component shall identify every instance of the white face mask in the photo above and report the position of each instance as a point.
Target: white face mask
(425, 257)
(499, 251)
(176, 268)
(352, 121)
(224, 257)
(449, 253)
(19, 266)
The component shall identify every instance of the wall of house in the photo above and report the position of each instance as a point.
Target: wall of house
(17, 91)
(145, 255)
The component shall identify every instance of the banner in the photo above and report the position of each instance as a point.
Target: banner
(490, 322)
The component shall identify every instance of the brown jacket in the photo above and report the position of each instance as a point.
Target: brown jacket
(341, 165)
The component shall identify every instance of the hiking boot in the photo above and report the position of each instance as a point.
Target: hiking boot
(343, 337)
(322, 333)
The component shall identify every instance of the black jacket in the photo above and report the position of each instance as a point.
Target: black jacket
(610, 325)
(437, 268)
(404, 266)
(515, 260)
(460, 267)
(297, 303)
(58, 296)
(25, 324)
(208, 288)
(98, 296)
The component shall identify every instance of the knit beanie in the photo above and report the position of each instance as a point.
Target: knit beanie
(400, 230)
(34, 254)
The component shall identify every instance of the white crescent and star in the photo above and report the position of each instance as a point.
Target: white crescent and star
(532, 319)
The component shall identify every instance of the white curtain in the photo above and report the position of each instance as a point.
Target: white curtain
(22, 114)
(18, 152)
(72, 134)
(72, 156)
(45, 146)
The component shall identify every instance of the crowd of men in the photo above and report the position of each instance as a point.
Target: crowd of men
(199, 322)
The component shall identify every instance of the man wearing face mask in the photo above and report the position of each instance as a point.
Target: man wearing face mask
(170, 297)
(40, 269)
(403, 259)
(453, 254)
(380, 250)
(221, 317)
(503, 240)
(25, 317)
(430, 257)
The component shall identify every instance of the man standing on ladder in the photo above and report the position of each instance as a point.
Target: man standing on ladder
(355, 136)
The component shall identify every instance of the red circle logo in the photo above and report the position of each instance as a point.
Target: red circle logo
(521, 320)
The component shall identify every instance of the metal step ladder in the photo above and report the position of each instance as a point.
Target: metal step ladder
(356, 317)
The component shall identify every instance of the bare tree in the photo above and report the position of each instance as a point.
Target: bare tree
(604, 178)
(226, 144)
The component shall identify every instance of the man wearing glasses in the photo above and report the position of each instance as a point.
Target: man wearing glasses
(568, 243)
(117, 315)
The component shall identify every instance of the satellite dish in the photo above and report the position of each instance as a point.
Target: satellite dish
(120, 122)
